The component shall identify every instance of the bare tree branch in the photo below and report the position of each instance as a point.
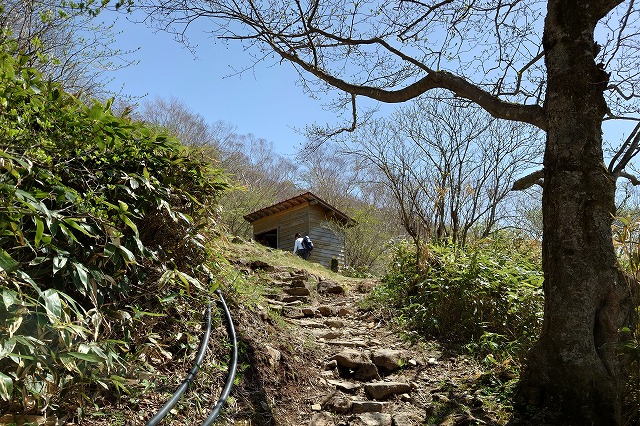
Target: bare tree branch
(529, 180)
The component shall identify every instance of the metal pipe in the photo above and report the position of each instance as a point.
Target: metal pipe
(233, 365)
(189, 378)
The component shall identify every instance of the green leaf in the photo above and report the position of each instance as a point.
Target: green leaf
(86, 357)
(127, 255)
(59, 262)
(6, 347)
(13, 324)
(6, 387)
(53, 305)
(82, 227)
(9, 298)
(109, 250)
(68, 362)
(130, 224)
(81, 274)
(39, 231)
(7, 263)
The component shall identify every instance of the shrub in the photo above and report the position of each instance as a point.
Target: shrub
(90, 204)
(487, 296)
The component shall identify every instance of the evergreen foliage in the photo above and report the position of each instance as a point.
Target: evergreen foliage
(91, 205)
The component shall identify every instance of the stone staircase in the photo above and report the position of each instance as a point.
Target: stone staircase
(365, 377)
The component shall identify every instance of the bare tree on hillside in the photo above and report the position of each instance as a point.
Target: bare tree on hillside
(191, 128)
(260, 176)
(72, 47)
(449, 166)
(534, 62)
(332, 175)
(263, 177)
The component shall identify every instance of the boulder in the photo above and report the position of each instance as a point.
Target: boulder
(380, 390)
(327, 311)
(373, 419)
(351, 358)
(330, 287)
(344, 385)
(358, 407)
(367, 372)
(389, 359)
(322, 419)
(290, 312)
(337, 403)
(297, 291)
(407, 419)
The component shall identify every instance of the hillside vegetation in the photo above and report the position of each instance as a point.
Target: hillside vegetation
(111, 248)
(102, 222)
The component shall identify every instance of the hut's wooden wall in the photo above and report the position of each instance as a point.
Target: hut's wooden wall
(327, 244)
(288, 223)
(311, 220)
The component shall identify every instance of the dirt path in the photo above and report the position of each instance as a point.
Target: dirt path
(357, 371)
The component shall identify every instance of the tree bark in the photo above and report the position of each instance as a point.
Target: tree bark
(574, 374)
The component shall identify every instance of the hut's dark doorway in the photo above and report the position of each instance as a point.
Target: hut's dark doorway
(268, 238)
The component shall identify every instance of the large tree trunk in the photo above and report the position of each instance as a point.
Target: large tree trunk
(574, 373)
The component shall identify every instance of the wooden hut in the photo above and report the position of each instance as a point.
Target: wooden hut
(276, 226)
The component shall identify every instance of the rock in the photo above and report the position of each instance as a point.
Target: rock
(330, 287)
(344, 385)
(276, 308)
(274, 356)
(331, 365)
(290, 299)
(367, 372)
(290, 312)
(311, 324)
(348, 343)
(380, 390)
(321, 419)
(337, 403)
(237, 240)
(438, 397)
(309, 312)
(374, 419)
(429, 410)
(358, 407)
(297, 291)
(316, 407)
(273, 296)
(298, 282)
(344, 312)
(259, 264)
(432, 361)
(334, 323)
(388, 359)
(302, 274)
(351, 358)
(330, 335)
(327, 311)
(407, 419)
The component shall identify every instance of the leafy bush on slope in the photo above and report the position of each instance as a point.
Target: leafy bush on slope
(91, 206)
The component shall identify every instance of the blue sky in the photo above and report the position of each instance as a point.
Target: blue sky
(266, 102)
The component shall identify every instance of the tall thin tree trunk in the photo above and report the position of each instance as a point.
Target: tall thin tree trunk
(574, 372)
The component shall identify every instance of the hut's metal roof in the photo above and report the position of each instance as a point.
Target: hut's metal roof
(305, 198)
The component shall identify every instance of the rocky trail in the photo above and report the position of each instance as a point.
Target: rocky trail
(361, 372)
